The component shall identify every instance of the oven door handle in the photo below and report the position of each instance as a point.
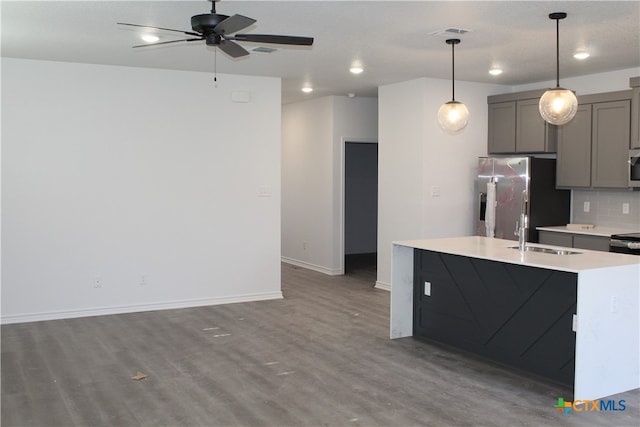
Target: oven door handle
(624, 244)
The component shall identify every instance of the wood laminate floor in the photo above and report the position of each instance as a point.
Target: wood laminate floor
(319, 357)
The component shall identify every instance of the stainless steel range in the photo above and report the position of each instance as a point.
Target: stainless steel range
(625, 243)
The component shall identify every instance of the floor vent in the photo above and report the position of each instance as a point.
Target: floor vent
(262, 49)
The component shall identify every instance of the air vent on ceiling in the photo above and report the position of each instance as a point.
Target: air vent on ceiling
(262, 49)
(450, 32)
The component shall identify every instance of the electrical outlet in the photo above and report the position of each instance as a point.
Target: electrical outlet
(586, 207)
(427, 288)
(304, 245)
(97, 282)
(143, 280)
(435, 191)
(625, 208)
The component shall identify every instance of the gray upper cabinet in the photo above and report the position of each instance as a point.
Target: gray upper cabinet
(593, 147)
(635, 112)
(533, 134)
(610, 144)
(502, 127)
(574, 151)
(515, 125)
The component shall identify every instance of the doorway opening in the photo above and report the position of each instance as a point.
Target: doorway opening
(361, 209)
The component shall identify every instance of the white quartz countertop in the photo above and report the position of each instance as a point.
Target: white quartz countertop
(596, 231)
(498, 250)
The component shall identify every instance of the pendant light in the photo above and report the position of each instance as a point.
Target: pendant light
(558, 105)
(453, 116)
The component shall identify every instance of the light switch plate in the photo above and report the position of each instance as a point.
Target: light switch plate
(264, 191)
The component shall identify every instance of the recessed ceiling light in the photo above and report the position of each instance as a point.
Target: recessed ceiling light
(307, 89)
(581, 55)
(150, 38)
(356, 69)
(495, 71)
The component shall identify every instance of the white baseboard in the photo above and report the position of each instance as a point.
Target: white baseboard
(70, 314)
(382, 285)
(313, 267)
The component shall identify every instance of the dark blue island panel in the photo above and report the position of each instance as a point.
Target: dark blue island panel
(516, 315)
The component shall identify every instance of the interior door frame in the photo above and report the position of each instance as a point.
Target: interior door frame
(341, 186)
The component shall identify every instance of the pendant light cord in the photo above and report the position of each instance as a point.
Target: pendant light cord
(557, 53)
(453, 73)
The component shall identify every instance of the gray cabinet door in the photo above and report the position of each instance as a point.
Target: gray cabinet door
(635, 118)
(533, 134)
(553, 238)
(573, 167)
(580, 241)
(594, 243)
(502, 127)
(611, 123)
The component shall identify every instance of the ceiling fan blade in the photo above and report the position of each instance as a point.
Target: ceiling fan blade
(189, 33)
(233, 23)
(233, 49)
(272, 38)
(170, 41)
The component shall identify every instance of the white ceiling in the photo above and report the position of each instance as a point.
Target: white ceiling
(391, 39)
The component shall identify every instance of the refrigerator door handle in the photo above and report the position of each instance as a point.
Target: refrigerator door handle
(482, 206)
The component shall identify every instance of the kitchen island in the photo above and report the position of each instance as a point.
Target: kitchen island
(529, 310)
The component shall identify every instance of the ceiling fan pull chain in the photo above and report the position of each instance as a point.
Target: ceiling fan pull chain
(215, 66)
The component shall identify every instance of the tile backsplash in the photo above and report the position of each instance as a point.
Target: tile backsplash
(606, 208)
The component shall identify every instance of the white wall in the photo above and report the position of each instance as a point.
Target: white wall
(117, 173)
(307, 178)
(313, 136)
(417, 158)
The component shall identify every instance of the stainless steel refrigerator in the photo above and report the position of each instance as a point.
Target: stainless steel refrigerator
(500, 184)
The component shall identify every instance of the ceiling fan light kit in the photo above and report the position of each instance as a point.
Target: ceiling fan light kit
(453, 116)
(558, 105)
(150, 38)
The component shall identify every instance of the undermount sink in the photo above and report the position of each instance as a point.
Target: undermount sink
(553, 251)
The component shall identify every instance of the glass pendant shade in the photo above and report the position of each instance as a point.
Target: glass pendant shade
(558, 106)
(453, 117)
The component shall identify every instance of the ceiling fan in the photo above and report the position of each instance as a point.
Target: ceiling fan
(217, 29)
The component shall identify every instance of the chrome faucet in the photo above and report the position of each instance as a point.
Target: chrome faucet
(523, 224)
